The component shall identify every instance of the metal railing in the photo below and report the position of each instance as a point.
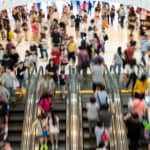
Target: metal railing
(123, 142)
(29, 108)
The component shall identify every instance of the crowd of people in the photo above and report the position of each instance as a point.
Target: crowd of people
(46, 32)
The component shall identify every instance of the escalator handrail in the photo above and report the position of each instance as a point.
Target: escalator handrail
(25, 125)
(26, 105)
(111, 101)
(34, 111)
(117, 91)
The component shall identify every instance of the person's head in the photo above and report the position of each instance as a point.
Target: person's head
(45, 95)
(21, 64)
(135, 116)
(102, 87)
(143, 77)
(139, 96)
(100, 123)
(8, 70)
(92, 21)
(7, 145)
(90, 29)
(92, 100)
(51, 62)
(119, 50)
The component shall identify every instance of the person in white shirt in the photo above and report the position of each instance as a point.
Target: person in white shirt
(90, 35)
(83, 28)
(53, 128)
(92, 113)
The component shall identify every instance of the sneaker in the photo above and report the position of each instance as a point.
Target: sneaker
(56, 146)
(53, 147)
(45, 147)
(42, 147)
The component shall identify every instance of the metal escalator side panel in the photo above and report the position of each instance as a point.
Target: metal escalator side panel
(30, 103)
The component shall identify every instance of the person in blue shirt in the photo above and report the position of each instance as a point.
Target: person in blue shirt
(145, 43)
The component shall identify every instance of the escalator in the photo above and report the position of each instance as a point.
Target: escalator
(16, 124)
(125, 97)
(29, 141)
(89, 143)
(115, 132)
(59, 107)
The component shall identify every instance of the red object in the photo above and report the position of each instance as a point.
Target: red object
(35, 27)
(129, 54)
(56, 54)
(104, 137)
(45, 104)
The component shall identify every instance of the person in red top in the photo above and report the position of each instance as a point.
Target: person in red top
(56, 55)
(128, 54)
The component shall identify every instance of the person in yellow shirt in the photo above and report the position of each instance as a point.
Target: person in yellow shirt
(141, 86)
(72, 48)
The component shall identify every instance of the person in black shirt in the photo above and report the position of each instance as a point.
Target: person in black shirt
(14, 58)
(20, 74)
(52, 69)
(134, 128)
(55, 37)
(77, 24)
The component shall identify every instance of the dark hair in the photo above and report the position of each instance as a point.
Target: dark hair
(100, 123)
(92, 100)
(119, 51)
(92, 21)
(143, 77)
(102, 87)
(135, 116)
(45, 95)
(54, 121)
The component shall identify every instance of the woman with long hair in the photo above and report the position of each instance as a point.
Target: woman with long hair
(53, 121)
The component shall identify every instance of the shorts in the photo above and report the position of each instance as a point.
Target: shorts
(44, 133)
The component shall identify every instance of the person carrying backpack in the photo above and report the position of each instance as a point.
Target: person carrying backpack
(102, 137)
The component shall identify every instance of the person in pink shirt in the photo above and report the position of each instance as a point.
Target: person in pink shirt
(138, 105)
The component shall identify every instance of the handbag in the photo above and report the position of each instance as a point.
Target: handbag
(104, 138)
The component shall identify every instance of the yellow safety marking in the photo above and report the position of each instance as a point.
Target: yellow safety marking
(86, 92)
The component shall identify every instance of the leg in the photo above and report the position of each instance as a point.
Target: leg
(143, 58)
(119, 69)
(46, 54)
(41, 51)
(52, 140)
(90, 127)
(56, 139)
(129, 81)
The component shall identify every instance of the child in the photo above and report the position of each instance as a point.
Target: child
(40, 125)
